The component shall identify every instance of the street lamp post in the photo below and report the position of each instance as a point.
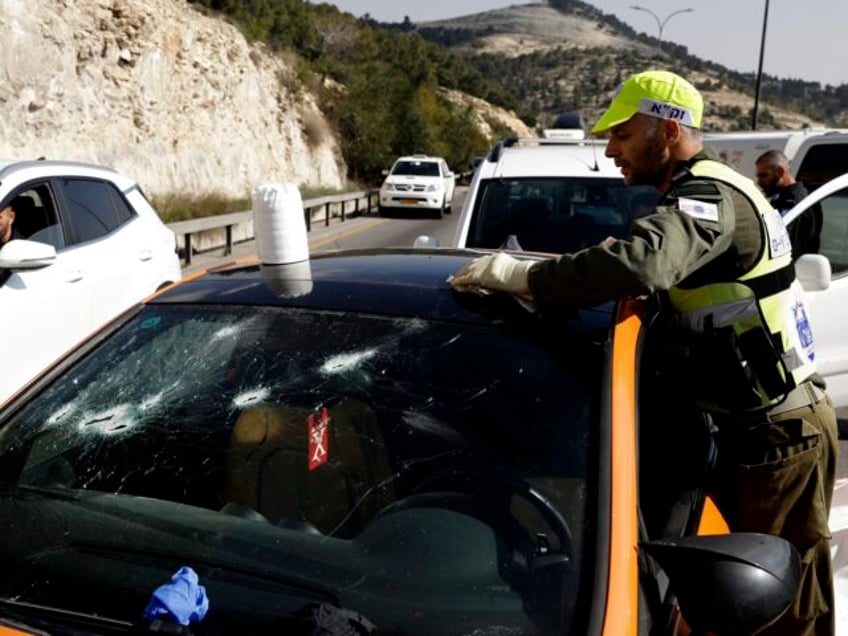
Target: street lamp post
(660, 23)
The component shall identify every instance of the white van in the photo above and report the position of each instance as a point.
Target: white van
(816, 155)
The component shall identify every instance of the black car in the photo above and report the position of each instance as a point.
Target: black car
(361, 440)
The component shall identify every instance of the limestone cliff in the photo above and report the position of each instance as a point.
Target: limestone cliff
(153, 88)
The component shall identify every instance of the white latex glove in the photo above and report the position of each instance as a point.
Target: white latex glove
(498, 271)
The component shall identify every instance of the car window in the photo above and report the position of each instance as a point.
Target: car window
(93, 208)
(822, 163)
(416, 168)
(397, 457)
(35, 215)
(554, 214)
(834, 234)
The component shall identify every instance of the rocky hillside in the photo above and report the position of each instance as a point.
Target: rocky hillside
(167, 93)
(180, 100)
(574, 59)
(485, 113)
(528, 28)
(155, 89)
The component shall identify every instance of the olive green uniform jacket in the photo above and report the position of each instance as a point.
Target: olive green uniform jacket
(666, 249)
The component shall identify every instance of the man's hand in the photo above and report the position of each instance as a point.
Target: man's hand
(494, 271)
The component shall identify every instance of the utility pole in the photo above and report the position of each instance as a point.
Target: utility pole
(760, 71)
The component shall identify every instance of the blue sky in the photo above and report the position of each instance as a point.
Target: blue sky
(805, 40)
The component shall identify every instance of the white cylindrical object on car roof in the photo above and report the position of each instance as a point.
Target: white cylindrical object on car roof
(289, 280)
(279, 225)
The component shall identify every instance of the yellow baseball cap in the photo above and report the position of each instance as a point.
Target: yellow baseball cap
(660, 94)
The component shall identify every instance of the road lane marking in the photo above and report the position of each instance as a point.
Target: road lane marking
(342, 235)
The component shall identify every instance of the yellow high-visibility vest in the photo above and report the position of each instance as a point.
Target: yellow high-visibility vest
(763, 306)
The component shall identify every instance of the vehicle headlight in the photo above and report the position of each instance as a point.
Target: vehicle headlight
(432, 188)
(388, 187)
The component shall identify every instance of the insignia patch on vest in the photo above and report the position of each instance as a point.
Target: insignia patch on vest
(698, 209)
(779, 243)
(804, 331)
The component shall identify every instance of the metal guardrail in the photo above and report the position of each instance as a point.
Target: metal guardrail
(314, 210)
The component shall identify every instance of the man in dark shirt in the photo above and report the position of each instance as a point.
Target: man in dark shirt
(774, 177)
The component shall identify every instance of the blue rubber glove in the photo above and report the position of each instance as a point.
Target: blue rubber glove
(180, 601)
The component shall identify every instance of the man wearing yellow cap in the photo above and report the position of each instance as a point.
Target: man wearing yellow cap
(717, 255)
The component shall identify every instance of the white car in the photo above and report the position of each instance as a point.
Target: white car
(552, 194)
(92, 246)
(418, 182)
(824, 276)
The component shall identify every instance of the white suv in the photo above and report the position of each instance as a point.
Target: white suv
(551, 194)
(92, 246)
(418, 182)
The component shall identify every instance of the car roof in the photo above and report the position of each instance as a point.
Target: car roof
(549, 158)
(418, 158)
(409, 282)
(47, 167)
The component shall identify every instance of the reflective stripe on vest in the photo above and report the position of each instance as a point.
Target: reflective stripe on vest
(766, 297)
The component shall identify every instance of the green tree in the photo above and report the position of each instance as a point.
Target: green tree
(369, 114)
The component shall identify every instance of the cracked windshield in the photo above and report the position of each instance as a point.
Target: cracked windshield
(321, 452)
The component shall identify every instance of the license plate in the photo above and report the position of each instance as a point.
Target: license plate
(409, 201)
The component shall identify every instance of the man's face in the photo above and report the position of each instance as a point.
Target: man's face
(7, 215)
(638, 148)
(767, 178)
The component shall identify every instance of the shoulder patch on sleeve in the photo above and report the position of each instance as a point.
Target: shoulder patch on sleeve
(700, 210)
(697, 189)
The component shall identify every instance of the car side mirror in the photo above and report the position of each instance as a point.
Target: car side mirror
(23, 254)
(385, 172)
(813, 272)
(734, 583)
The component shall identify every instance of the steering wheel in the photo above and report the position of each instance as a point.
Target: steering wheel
(485, 494)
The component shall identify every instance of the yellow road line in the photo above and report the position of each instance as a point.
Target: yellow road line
(341, 235)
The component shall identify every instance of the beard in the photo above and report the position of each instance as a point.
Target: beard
(649, 167)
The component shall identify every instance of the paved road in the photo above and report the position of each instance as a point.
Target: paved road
(367, 230)
(320, 237)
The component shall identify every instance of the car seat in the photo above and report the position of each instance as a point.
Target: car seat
(268, 468)
(677, 454)
(581, 231)
(677, 447)
(531, 223)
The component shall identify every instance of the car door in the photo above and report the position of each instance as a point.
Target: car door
(108, 244)
(43, 312)
(827, 307)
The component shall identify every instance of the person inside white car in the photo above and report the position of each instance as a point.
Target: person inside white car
(7, 229)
